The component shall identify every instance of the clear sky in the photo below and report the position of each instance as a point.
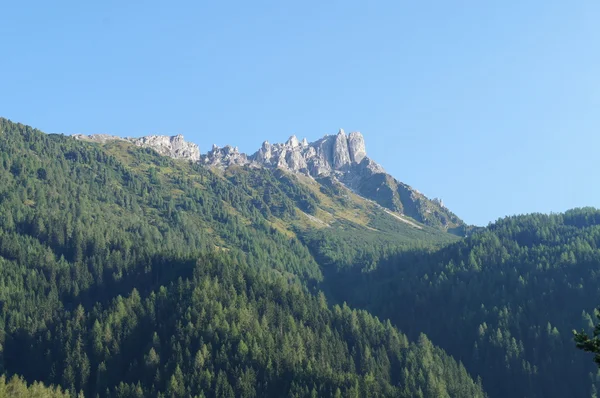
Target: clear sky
(494, 106)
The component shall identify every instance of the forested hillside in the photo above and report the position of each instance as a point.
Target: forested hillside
(124, 273)
(503, 301)
(128, 274)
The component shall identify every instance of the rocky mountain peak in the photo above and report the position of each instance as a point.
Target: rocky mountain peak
(329, 155)
(342, 157)
(293, 142)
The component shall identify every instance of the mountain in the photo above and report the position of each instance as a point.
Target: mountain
(125, 273)
(341, 158)
(127, 269)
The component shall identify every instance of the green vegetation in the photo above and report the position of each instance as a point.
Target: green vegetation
(396, 196)
(16, 387)
(127, 274)
(503, 301)
(585, 343)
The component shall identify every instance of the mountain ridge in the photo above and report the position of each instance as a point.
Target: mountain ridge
(342, 157)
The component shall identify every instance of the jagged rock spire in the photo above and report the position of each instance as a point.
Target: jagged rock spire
(341, 155)
(293, 142)
(328, 155)
(356, 147)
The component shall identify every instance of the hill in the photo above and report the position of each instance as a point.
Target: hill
(503, 301)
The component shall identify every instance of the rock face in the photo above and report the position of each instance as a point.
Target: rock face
(356, 146)
(331, 155)
(341, 155)
(174, 146)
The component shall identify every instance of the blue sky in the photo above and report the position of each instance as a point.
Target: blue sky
(492, 106)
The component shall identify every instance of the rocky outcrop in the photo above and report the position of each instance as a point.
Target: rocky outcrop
(331, 155)
(175, 146)
(225, 157)
(293, 142)
(295, 161)
(341, 155)
(356, 147)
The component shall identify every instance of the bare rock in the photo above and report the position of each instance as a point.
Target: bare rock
(340, 155)
(225, 157)
(296, 161)
(327, 156)
(175, 146)
(281, 161)
(292, 142)
(356, 147)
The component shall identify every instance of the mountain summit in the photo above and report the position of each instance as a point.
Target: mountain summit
(342, 158)
(330, 155)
